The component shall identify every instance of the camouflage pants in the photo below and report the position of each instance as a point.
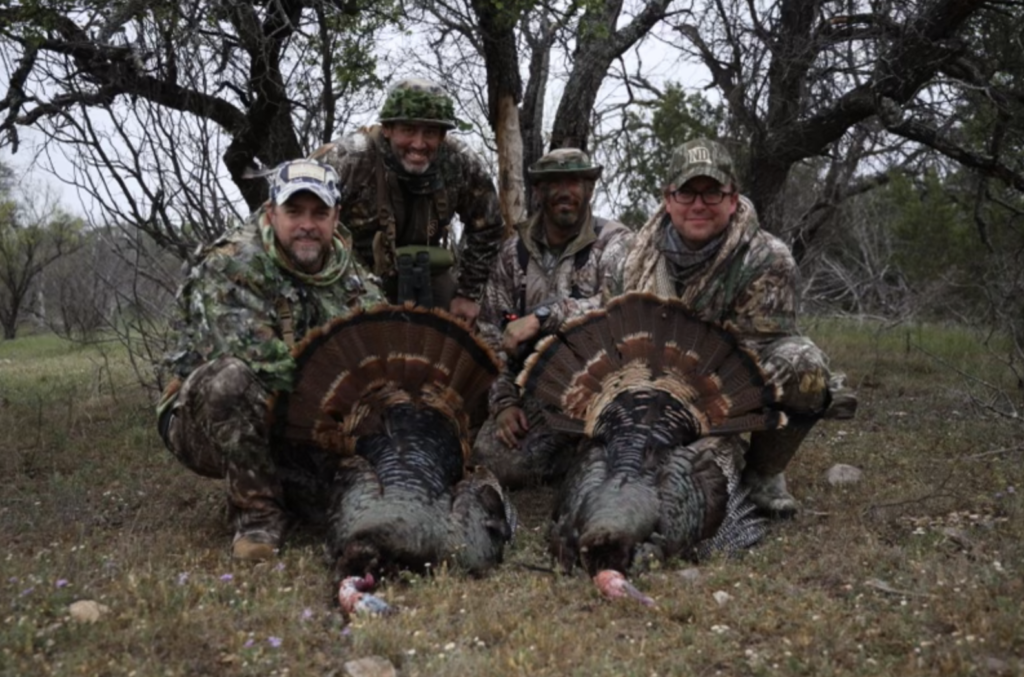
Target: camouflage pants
(542, 457)
(218, 428)
(800, 369)
(809, 392)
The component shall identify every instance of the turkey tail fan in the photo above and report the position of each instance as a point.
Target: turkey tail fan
(348, 370)
(633, 326)
(642, 341)
(567, 368)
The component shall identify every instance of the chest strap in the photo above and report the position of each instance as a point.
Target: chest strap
(384, 238)
(284, 315)
(578, 261)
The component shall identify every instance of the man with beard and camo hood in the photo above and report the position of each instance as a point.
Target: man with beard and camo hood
(553, 269)
(705, 246)
(255, 293)
(402, 182)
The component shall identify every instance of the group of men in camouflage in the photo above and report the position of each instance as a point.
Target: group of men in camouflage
(367, 219)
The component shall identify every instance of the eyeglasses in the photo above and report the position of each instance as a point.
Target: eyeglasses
(711, 197)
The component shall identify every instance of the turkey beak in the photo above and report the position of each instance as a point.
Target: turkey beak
(631, 590)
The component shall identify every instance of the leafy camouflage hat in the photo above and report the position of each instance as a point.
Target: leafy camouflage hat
(295, 176)
(419, 101)
(701, 157)
(564, 162)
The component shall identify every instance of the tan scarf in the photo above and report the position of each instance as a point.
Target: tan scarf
(647, 270)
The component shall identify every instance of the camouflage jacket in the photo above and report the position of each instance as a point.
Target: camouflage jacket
(244, 300)
(749, 286)
(568, 286)
(421, 207)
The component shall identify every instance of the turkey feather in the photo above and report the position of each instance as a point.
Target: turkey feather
(648, 383)
(386, 389)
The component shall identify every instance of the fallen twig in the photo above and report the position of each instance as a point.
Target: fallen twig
(993, 452)
(882, 586)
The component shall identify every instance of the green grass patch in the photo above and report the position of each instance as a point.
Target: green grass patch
(916, 570)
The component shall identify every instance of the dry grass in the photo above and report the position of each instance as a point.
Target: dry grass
(914, 571)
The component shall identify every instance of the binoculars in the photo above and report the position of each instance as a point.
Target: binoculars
(414, 283)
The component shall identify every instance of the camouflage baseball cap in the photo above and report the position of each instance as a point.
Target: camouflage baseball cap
(419, 101)
(295, 176)
(564, 162)
(701, 157)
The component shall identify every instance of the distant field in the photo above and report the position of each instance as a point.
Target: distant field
(917, 570)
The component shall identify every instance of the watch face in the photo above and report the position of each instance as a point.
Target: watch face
(542, 313)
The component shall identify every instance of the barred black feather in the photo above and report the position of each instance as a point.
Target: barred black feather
(648, 383)
(386, 389)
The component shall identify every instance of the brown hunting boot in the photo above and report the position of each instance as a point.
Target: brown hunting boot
(771, 451)
(842, 401)
(247, 549)
(258, 532)
(769, 454)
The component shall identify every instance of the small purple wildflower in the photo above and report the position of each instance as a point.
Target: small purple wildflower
(248, 644)
(12, 579)
(279, 566)
(227, 577)
(28, 591)
(274, 641)
(61, 582)
(346, 631)
(183, 578)
(1011, 489)
(307, 613)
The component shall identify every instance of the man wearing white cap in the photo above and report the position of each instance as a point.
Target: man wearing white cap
(255, 293)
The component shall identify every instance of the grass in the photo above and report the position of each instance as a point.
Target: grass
(917, 570)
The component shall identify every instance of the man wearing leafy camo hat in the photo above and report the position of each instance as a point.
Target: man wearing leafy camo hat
(705, 246)
(553, 269)
(403, 182)
(255, 293)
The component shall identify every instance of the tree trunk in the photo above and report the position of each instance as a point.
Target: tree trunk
(510, 164)
(598, 45)
(9, 321)
(531, 116)
(504, 91)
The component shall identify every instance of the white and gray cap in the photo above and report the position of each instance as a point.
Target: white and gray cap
(295, 176)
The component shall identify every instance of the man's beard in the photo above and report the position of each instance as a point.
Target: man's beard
(416, 169)
(563, 218)
(307, 254)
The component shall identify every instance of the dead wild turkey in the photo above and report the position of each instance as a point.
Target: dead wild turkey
(386, 388)
(644, 381)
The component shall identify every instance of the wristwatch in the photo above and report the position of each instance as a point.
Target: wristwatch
(542, 313)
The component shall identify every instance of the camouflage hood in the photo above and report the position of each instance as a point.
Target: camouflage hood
(644, 267)
(532, 233)
(748, 285)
